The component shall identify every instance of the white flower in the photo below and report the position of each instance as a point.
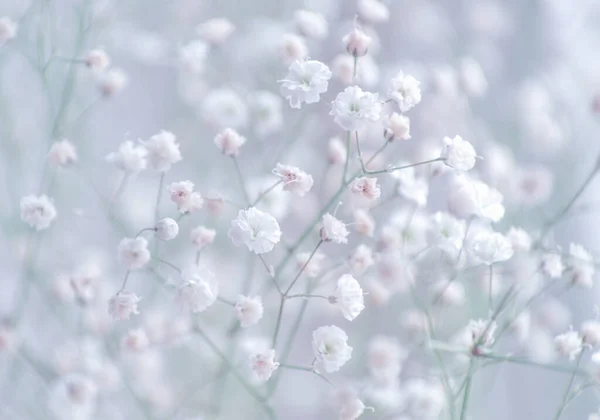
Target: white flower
(163, 150)
(292, 47)
(73, 397)
(216, 31)
(229, 142)
(351, 408)
(263, 364)
(384, 358)
(130, 158)
(97, 60)
(353, 108)
(450, 293)
(305, 82)
(166, 229)
(552, 265)
(8, 28)
(361, 259)
(405, 90)
(37, 212)
(478, 333)
(311, 24)
(364, 222)
(135, 340)
(475, 198)
(357, 42)
(313, 268)
(334, 230)
(249, 310)
(224, 108)
(411, 187)
(197, 289)
(267, 110)
(294, 179)
(193, 56)
(348, 296)
(590, 331)
(202, 236)
(330, 347)
(447, 233)
(258, 230)
(366, 188)
(569, 344)
(133, 252)
(425, 399)
(581, 266)
(123, 305)
(396, 126)
(458, 153)
(62, 153)
(490, 247)
(373, 11)
(182, 193)
(519, 238)
(112, 81)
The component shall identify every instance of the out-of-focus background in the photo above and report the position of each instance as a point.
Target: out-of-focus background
(516, 78)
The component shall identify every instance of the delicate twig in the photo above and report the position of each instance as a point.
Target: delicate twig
(265, 192)
(160, 260)
(241, 179)
(569, 386)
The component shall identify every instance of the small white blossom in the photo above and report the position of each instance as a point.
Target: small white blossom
(305, 82)
(182, 193)
(490, 247)
(334, 230)
(569, 344)
(62, 153)
(97, 60)
(552, 265)
(123, 305)
(447, 233)
(361, 259)
(519, 238)
(475, 198)
(166, 229)
(196, 289)
(366, 188)
(410, 186)
(353, 108)
(352, 408)
(249, 310)
(193, 56)
(202, 236)
(259, 231)
(292, 47)
(405, 90)
(133, 252)
(590, 331)
(135, 340)
(330, 347)
(113, 81)
(348, 296)
(373, 11)
(478, 334)
(458, 153)
(129, 158)
(224, 108)
(8, 28)
(425, 399)
(229, 142)
(384, 358)
(216, 31)
(357, 42)
(163, 151)
(451, 293)
(268, 114)
(37, 212)
(263, 364)
(364, 222)
(311, 24)
(314, 266)
(581, 266)
(294, 180)
(397, 127)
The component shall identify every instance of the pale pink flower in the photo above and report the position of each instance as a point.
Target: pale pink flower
(334, 230)
(366, 188)
(248, 310)
(202, 236)
(229, 142)
(263, 364)
(357, 42)
(123, 305)
(294, 179)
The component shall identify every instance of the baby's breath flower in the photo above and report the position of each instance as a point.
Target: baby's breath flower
(129, 158)
(292, 47)
(361, 259)
(366, 188)
(196, 289)
(123, 305)
(334, 230)
(216, 30)
(294, 179)
(202, 236)
(569, 344)
(112, 81)
(62, 153)
(249, 310)
(305, 82)
(163, 151)
(97, 60)
(580, 266)
(397, 127)
(259, 231)
(405, 90)
(552, 265)
(330, 347)
(490, 247)
(458, 153)
(166, 229)
(263, 364)
(310, 24)
(38, 212)
(229, 142)
(193, 56)
(133, 252)
(353, 108)
(348, 296)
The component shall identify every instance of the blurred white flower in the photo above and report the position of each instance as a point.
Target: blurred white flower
(133, 252)
(384, 358)
(336, 151)
(458, 153)
(305, 82)
(351, 409)
(552, 265)
(425, 399)
(73, 397)
(313, 268)
(62, 153)
(348, 297)
(447, 233)
(469, 197)
(182, 193)
(405, 90)
(581, 267)
(97, 60)
(202, 236)
(267, 109)
(263, 364)
(373, 11)
(248, 310)
(490, 247)
(193, 56)
(590, 332)
(8, 28)
(310, 24)
(112, 81)
(37, 211)
(224, 108)
(258, 230)
(397, 127)
(216, 30)
(292, 47)
(334, 230)
(569, 344)
(163, 150)
(123, 305)
(294, 180)
(357, 42)
(519, 238)
(196, 288)
(129, 158)
(229, 142)
(472, 77)
(135, 340)
(364, 222)
(411, 187)
(353, 108)
(361, 259)
(330, 347)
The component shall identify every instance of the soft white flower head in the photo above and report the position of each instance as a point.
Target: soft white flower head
(202, 236)
(166, 229)
(533, 185)
(314, 266)
(569, 344)
(193, 55)
(294, 180)
(292, 47)
(97, 60)
(552, 265)
(447, 233)
(425, 399)
(224, 108)
(133, 252)
(490, 247)
(129, 158)
(353, 108)
(310, 24)
(163, 151)
(182, 193)
(216, 30)
(38, 212)
(123, 305)
(581, 266)
(352, 408)
(267, 110)
(478, 334)
(384, 358)
(472, 77)
(405, 90)
(258, 230)
(334, 230)
(62, 153)
(229, 142)
(410, 186)
(196, 289)
(397, 127)
(373, 11)
(336, 151)
(248, 310)
(263, 364)
(305, 82)
(366, 189)
(590, 332)
(361, 259)
(458, 153)
(364, 223)
(330, 347)
(135, 340)
(73, 397)
(112, 81)
(470, 197)
(451, 293)
(519, 238)
(357, 42)
(348, 297)
(8, 28)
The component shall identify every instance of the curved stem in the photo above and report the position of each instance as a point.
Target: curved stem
(265, 192)
(241, 179)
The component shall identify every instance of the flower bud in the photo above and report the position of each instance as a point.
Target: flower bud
(357, 42)
(167, 229)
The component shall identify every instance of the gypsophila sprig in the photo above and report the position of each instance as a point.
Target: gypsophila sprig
(248, 310)
(458, 153)
(163, 151)
(123, 305)
(330, 347)
(334, 230)
(133, 252)
(405, 91)
(130, 158)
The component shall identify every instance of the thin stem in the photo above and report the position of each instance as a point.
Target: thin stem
(565, 399)
(362, 164)
(397, 168)
(355, 67)
(303, 268)
(145, 230)
(526, 362)
(198, 257)
(158, 197)
(225, 301)
(294, 367)
(120, 188)
(124, 281)
(265, 192)
(305, 296)
(278, 322)
(347, 158)
(469, 382)
(491, 298)
(241, 179)
(271, 274)
(160, 260)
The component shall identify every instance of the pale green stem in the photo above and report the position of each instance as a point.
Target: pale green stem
(565, 399)
(467, 394)
(241, 179)
(265, 192)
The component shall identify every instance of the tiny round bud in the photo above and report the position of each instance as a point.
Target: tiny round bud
(357, 42)
(113, 81)
(97, 60)
(397, 126)
(167, 229)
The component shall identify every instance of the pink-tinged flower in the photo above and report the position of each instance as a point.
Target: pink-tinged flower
(229, 142)
(397, 127)
(334, 230)
(202, 236)
(123, 305)
(97, 60)
(182, 193)
(292, 47)
(62, 153)
(216, 30)
(37, 212)
(357, 42)
(163, 150)
(263, 364)
(311, 24)
(364, 222)
(248, 310)
(366, 188)
(294, 180)
(133, 252)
